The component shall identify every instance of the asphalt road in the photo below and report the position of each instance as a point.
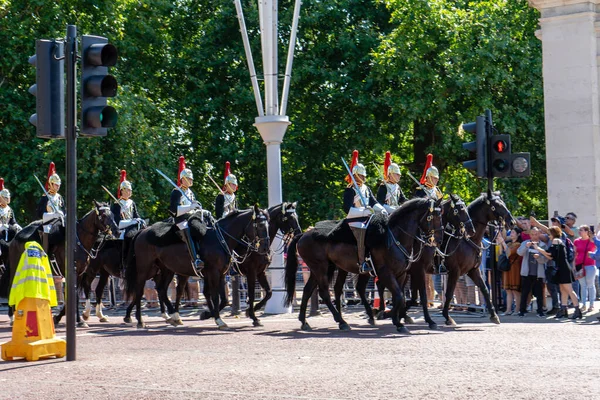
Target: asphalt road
(527, 358)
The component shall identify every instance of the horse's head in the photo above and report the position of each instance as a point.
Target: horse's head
(496, 210)
(285, 219)
(104, 220)
(257, 232)
(454, 212)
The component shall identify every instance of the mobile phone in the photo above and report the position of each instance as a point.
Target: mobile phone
(555, 213)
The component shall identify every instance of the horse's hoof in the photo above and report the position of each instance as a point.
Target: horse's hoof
(85, 316)
(127, 320)
(165, 316)
(371, 321)
(104, 319)
(82, 324)
(403, 330)
(256, 323)
(204, 315)
(450, 322)
(408, 320)
(306, 327)
(433, 326)
(495, 319)
(141, 325)
(344, 327)
(171, 321)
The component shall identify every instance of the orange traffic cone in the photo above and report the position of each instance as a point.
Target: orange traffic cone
(377, 301)
(33, 294)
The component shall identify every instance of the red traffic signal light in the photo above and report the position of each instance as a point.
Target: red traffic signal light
(500, 146)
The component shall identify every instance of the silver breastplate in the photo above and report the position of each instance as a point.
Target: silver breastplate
(54, 200)
(229, 203)
(391, 198)
(5, 214)
(185, 202)
(364, 190)
(126, 208)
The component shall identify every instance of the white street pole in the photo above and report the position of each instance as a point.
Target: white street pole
(290, 58)
(273, 124)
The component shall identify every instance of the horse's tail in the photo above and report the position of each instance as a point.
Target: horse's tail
(291, 267)
(131, 270)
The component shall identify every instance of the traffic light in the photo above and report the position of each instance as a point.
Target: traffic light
(478, 147)
(97, 85)
(520, 165)
(501, 167)
(49, 89)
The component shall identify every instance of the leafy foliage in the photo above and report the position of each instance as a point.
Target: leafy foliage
(398, 75)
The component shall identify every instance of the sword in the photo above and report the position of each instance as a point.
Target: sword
(173, 184)
(380, 172)
(362, 198)
(109, 193)
(415, 179)
(218, 187)
(52, 203)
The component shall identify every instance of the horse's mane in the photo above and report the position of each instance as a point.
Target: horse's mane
(407, 208)
(477, 202)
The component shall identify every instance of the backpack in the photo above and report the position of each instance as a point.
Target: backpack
(570, 252)
(503, 262)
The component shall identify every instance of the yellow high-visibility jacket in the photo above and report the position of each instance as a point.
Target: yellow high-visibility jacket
(33, 277)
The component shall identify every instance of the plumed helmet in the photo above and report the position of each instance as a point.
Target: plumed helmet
(228, 177)
(426, 172)
(432, 171)
(52, 176)
(394, 169)
(231, 179)
(183, 171)
(4, 192)
(123, 183)
(359, 169)
(353, 164)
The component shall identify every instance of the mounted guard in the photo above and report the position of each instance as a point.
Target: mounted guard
(7, 216)
(226, 201)
(360, 205)
(429, 181)
(390, 193)
(182, 203)
(51, 207)
(124, 209)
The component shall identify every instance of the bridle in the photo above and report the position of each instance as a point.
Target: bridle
(450, 228)
(106, 231)
(286, 237)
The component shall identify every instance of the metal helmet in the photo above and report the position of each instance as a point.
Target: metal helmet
(4, 192)
(54, 178)
(432, 171)
(186, 173)
(394, 169)
(359, 169)
(125, 185)
(231, 179)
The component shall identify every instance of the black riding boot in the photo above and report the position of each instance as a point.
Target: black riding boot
(364, 267)
(197, 263)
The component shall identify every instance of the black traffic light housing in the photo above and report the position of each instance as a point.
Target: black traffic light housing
(520, 165)
(478, 147)
(49, 89)
(501, 150)
(97, 85)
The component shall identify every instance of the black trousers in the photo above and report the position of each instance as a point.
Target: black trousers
(535, 284)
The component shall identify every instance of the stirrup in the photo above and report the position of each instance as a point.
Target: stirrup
(198, 265)
(366, 268)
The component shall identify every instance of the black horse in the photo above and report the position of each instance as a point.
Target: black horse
(5, 281)
(463, 254)
(390, 243)
(96, 222)
(237, 235)
(283, 222)
(456, 220)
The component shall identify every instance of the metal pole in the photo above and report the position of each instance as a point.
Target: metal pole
(235, 295)
(490, 189)
(250, 60)
(274, 61)
(71, 217)
(290, 59)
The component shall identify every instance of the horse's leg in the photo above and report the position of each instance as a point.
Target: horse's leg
(264, 283)
(339, 288)
(323, 283)
(175, 319)
(475, 275)
(99, 291)
(251, 280)
(423, 296)
(60, 314)
(361, 288)
(309, 288)
(162, 288)
(214, 281)
(399, 305)
(452, 280)
(138, 302)
(86, 287)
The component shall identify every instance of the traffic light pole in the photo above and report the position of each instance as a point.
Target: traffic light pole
(71, 216)
(490, 190)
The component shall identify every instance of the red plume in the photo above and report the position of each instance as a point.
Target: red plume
(386, 164)
(428, 164)
(227, 171)
(51, 171)
(181, 168)
(123, 177)
(1, 183)
(352, 165)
